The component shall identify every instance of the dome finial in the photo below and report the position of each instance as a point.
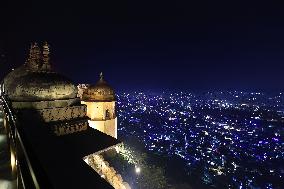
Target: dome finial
(101, 76)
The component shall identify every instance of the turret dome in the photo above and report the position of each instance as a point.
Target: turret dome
(101, 92)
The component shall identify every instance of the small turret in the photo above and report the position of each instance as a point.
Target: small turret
(37, 60)
(37, 53)
(100, 101)
(34, 57)
(45, 57)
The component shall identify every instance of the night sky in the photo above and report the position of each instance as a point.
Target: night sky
(153, 45)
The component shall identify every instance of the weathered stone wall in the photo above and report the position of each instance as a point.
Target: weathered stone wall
(58, 114)
(64, 113)
(44, 104)
(72, 127)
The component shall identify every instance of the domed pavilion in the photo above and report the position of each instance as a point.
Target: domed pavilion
(45, 94)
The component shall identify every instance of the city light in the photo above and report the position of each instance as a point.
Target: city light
(137, 170)
(230, 134)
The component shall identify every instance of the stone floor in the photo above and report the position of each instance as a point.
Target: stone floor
(6, 181)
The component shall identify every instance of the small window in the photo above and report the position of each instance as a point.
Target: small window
(107, 114)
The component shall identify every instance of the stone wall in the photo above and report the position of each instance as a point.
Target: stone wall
(107, 172)
(64, 113)
(70, 127)
(44, 104)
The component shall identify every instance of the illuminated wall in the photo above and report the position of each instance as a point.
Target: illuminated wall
(102, 116)
(107, 172)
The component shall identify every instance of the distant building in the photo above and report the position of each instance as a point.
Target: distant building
(101, 108)
(81, 89)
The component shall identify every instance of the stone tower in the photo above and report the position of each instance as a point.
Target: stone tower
(100, 101)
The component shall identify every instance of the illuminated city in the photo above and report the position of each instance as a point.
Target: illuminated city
(226, 139)
(145, 94)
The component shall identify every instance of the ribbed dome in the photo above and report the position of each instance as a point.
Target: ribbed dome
(24, 85)
(35, 81)
(101, 92)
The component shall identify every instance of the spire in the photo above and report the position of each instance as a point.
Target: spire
(38, 59)
(45, 56)
(32, 54)
(29, 55)
(101, 76)
(37, 52)
(34, 57)
(45, 53)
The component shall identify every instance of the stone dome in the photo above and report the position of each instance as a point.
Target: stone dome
(101, 92)
(35, 81)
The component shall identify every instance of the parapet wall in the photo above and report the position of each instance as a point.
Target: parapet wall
(107, 172)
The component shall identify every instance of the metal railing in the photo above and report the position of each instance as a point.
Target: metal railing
(27, 170)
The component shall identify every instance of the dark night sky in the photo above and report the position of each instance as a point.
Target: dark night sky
(153, 45)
